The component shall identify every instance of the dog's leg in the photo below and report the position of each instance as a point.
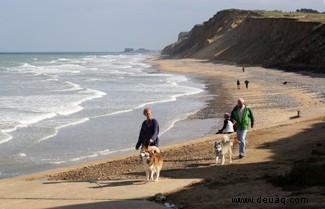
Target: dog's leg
(223, 159)
(157, 174)
(147, 175)
(151, 175)
(230, 156)
(217, 159)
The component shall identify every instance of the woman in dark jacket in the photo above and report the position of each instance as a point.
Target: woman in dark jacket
(149, 131)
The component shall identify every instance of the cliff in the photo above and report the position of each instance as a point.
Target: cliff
(254, 38)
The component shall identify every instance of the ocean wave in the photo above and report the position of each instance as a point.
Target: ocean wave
(71, 86)
(64, 60)
(21, 154)
(60, 91)
(33, 109)
(113, 113)
(22, 121)
(7, 127)
(173, 122)
(50, 70)
(11, 120)
(171, 98)
(56, 129)
(27, 65)
(74, 86)
(4, 137)
(37, 117)
(92, 155)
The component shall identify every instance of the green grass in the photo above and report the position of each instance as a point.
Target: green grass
(308, 17)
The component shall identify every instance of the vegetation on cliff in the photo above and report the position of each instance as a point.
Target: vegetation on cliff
(266, 38)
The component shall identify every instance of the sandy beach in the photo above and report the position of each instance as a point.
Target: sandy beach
(190, 178)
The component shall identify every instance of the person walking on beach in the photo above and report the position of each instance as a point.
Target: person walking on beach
(243, 68)
(238, 84)
(149, 131)
(241, 114)
(228, 126)
(246, 83)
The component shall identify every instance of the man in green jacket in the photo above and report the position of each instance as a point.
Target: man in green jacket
(240, 115)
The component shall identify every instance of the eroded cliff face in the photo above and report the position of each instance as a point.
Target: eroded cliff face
(245, 37)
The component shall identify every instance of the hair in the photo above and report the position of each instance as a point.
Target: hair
(146, 110)
(226, 115)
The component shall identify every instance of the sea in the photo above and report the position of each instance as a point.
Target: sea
(59, 109)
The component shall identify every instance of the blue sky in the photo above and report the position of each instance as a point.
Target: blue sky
(112, 25)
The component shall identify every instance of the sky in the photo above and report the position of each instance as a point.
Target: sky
(112, 25)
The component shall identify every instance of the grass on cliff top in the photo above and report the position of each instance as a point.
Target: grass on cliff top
(307, 17)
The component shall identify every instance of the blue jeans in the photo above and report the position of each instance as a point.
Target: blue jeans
(241, 135)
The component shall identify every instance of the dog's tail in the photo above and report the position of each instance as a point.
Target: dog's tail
(225, 138)
(153, 149)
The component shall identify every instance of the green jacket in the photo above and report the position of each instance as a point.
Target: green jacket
(243, 124)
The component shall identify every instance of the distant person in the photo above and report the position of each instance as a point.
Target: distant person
(149, 131)
(241, 114)
(238, 84)
(246, 83)
(243, 68)
(228, 126)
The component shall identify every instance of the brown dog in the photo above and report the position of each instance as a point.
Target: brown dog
(152, 162)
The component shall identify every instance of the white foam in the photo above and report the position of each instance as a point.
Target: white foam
(172, 123)
(64, 60)
(92, 155)
(36, 118)
(4, 137)
(74, 107)
(171, 98)
(114, 113)
(56, 129)
(8, 126)
(27, 65)
(71, 86)
(50, 70)
(69, 108)
(22, 154)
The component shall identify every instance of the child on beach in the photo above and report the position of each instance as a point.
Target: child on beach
(228, 126)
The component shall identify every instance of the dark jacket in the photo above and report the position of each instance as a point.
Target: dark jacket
(147, 132)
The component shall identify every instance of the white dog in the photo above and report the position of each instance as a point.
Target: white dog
(152, 162)
(222, 148)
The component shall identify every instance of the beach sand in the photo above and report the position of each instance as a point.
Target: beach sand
(190, 178)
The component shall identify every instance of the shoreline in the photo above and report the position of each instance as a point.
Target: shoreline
(189, 175)
(215, 105)
(89, 158)
(185, 122)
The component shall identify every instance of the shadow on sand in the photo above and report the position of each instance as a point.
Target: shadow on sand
(247, 180)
